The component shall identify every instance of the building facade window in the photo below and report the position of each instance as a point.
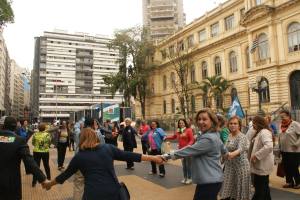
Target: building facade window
(204, 70)
(152, 88)
(263, 46)
(247, 53)
(180, 45)
(219, 101)
(218, 66)
(190, 41)
(229, 22)
(163, 54)
(215, 29)
(173, 105)
(164, 106)
(171, 50)
(193, 78)
(173, 79)
(202, 36)
(233, 62)
(294, 37)
(164, 82)
(205, 101)
(265, 94)
(193, 104)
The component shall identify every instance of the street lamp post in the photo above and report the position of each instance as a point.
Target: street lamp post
(259, 87)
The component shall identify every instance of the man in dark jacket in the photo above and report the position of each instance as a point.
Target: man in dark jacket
(129, 141)
(13, 148)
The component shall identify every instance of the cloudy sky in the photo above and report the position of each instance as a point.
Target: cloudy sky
(33, 17)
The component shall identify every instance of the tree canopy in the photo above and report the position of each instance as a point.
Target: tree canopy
(6, 13)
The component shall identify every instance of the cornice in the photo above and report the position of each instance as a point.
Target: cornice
(256, 13)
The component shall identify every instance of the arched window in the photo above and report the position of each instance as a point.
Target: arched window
(247, 57)
(263, 46)
(219, 102)
(193, 104)
(193, 79)
(265, 94)
(233, 62)
(164, 82)
(173, 79)
(233, 94)
(205, 101)
(173, 105)
(294, 37)
(218, 67)
(165, 107)
(204, 70)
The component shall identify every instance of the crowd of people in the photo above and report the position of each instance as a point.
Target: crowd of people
(220, 158)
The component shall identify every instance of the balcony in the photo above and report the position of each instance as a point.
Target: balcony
(84, 54)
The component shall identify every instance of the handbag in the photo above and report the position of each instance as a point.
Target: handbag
(280, 170)
(124, 193)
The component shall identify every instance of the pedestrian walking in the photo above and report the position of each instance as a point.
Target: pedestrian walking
(41, 142)
(155, 137)
(289, 145)
(72, 142)
(261, 158)
(237, 179)
(143, 130)
(95, 161)
(185, 137)
(62, 144)
(13, 149)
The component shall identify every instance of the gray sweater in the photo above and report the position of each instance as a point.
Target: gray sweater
(206, 154)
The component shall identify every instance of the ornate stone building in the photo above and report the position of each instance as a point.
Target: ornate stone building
(249, 42)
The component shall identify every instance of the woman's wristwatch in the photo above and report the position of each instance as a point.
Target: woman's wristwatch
(166, 156)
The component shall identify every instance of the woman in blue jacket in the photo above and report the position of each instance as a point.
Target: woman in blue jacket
(155, 137)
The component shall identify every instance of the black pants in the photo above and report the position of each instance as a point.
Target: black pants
(145, 146)
(153, 164)
(37, 156)
(72, 145)
(61, 153)
(129, 163)
(291, 163)
(207, 191)
(261, 185)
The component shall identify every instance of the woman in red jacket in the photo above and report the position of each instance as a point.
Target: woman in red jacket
(185, 137)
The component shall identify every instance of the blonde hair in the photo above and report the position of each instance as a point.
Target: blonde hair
(88, 139)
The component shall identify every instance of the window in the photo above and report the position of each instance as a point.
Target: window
(205, 101)
(165, 107)
(232, 62)
(193, 74)
(204, 70)
(164, 82)
(229, 22)
(218, 67)
(263, 47)
(173, 105)
(219, 101)
(233, 94)
(173, 79)
(163, 54)
(190, 41)
(171, 50)
(193, 104)
(242, 12)
(247, 53)
(215, 29)
(294, 37)
(202, 36)
(152, 88)
(180, 46)
(258, 2)
(265, 94)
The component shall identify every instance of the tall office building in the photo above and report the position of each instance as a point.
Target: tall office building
(68, 74)
(163, 17)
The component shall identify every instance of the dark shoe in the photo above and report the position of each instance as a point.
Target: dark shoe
(297, 186)
(288, 185)
(33, 184)
(59, 168)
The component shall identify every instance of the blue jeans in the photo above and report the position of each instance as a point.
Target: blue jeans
(186, 167)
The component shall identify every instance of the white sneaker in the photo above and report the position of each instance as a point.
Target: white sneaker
(183, 181)
(188, 181)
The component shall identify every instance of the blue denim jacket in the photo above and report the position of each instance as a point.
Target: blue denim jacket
(158, 136)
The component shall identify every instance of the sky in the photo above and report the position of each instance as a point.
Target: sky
(33, 17)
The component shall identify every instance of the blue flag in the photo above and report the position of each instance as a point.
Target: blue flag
(236, 109)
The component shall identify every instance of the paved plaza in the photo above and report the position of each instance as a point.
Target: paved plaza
(141, 185)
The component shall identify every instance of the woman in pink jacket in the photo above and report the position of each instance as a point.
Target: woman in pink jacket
(185, 137)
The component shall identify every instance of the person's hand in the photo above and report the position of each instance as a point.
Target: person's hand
(158, 159)
(294, 147)
(47, 185)
(253, 159)
(230, 156)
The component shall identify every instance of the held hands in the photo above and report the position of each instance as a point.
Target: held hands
(46, 185)
(253, 159)
(158, 159)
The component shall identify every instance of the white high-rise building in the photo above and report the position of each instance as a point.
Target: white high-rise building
(163, 17)
(68, 74)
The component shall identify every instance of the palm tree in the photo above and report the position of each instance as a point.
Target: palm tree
(214, 87)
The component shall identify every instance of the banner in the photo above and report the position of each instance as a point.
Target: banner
(111, 111)
(236, 109)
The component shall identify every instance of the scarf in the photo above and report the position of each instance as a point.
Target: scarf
(285, 125)
(181, 130)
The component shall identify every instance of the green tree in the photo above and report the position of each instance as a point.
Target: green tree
(213, 87)
(6, 13)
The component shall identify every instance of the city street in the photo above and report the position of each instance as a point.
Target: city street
(141, 185)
